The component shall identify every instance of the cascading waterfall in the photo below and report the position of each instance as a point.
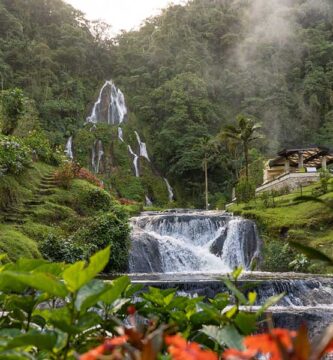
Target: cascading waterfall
(189, 250)
(69, 148)
(135, 161)
(96, 155)
(148, 201)
(170, 190)
(120, 134)
(142, 147)
(110, 106)
(192, 242)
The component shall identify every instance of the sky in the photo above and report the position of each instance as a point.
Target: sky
(121, 14)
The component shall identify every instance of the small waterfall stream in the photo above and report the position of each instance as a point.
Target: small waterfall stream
(69, 148)
(135, 161)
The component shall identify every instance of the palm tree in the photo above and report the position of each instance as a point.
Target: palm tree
(245, 132)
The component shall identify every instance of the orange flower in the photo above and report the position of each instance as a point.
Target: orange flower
(329, 347)
(271, 343)
(109, 344)
(233, 354)
(94, 353)
(180, 349)
(116, 341)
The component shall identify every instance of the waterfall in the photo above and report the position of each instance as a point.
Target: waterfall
(142, 146)
(120, 134)
(96, 155)
(148, 201)
(192, 242)
(170, 190)
(110, 106)
(69, 148)
(135, 161)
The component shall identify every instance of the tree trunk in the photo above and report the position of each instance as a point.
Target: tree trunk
(246, 156)
(206, 182)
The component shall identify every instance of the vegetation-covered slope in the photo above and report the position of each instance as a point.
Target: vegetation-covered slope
(185, 74)
(285, 217)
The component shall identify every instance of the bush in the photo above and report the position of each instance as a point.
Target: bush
(65, 175)
(245, 190)
(55, 248)
(85, 174)
(108, 229)
(40, 145)
(325, 177)
(15, 157)
(277, 256)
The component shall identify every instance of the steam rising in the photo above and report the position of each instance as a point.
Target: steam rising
(271, 47)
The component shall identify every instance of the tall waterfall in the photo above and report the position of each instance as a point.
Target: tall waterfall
(110, 106)
(69, 148)
(192, 242)
(142, 146)
(135, 161)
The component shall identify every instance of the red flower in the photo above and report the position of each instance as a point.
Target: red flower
(94, 353)
(233, 354)
(109, 345)
(271, 343)
(180, 349)
(131, 310)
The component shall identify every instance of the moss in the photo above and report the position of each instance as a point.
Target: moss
(49, 213)
(15, 244)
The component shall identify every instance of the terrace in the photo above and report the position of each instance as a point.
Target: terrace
(293, 168)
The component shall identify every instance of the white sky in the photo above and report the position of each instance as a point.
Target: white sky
(121, 14)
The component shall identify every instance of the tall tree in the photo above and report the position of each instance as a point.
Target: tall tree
(12, 108)
(245, 132)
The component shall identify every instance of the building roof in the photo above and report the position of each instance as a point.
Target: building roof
(312, 156)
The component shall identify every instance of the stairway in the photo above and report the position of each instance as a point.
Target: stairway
(18, 214)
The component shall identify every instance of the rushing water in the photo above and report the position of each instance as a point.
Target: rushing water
(191, 251)
(110, 106)
(135, 161)
(196, 241)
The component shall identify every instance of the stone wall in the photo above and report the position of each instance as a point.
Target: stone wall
(290, 181)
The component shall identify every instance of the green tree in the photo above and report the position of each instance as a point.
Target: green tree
(12, 107)
(245, 132)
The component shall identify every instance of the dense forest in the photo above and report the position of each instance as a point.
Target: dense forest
(185, 74)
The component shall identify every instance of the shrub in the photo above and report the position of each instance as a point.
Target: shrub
(108, 229)
(65, 175)
(40, 145)
(85, 174)
(245, 190)
(55, 248)
(15, 157)
(277, 256)
(325, 177)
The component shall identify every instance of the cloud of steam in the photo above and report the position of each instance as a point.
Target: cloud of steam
(270, 48)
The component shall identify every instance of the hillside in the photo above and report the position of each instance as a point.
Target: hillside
(185, 74)
(284, 218)
(39, 217)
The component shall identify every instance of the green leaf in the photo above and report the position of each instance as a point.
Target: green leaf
(34, 338)
(311, 253)
(115, 289)
(252, 296)
(270, 302)
(226, 336)
(39, 281)
(237, 272)
(79, 274)
(90, 294)
(239, 295)
(246, 322)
